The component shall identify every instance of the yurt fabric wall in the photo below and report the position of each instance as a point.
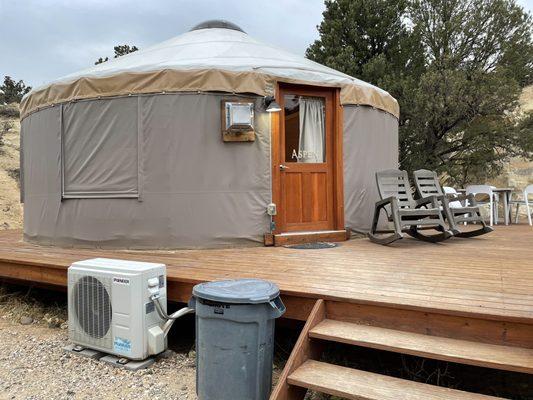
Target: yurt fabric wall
(144, 171)
(370, 144)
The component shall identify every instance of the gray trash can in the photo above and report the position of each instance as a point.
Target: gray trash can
(235, 338)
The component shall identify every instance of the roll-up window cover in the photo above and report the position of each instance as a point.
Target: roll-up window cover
(100, 148)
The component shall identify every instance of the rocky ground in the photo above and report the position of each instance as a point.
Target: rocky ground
(33, 364)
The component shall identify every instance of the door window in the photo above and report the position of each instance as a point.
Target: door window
(304, 129)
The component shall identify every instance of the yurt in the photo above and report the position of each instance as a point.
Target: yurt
(209, 139)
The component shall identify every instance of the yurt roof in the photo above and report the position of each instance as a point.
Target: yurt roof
(213, 56)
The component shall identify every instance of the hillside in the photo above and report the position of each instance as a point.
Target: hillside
(526, 99)
(10, 207)
(519, 172)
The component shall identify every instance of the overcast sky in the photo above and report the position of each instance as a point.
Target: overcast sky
(43, 40)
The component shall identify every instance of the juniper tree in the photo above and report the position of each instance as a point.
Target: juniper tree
(456, 67)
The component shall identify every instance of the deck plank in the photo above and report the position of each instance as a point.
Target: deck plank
(489, 276)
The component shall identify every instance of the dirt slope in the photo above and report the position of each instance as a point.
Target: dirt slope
(518, 173)
(10, 207)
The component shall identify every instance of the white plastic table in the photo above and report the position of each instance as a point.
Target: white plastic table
(505, 195)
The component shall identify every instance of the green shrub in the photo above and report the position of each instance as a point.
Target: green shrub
(9, 111)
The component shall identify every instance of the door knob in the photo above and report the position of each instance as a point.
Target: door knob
(283, 167)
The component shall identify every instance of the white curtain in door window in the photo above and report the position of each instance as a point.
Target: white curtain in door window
(311, 143)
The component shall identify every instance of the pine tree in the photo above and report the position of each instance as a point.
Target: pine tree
(120, 50)
(456, 67)
(12, 91)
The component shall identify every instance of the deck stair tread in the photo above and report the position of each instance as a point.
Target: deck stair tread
(298, 233)
(288, 238)
(361, 385)
(454, 350)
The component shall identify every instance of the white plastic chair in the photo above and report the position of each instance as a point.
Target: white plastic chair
(483, 189)
(455, 203)
(524, 202)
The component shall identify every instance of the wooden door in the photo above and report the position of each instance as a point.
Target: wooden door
(306, 159)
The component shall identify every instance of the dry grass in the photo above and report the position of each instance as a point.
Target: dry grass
(10, 111)
(16, 303)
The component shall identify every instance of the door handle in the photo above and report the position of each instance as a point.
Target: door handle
(283, 167)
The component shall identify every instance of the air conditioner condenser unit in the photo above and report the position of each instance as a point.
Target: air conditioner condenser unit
(111, 307)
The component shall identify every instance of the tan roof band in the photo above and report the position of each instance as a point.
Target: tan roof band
(187, 81)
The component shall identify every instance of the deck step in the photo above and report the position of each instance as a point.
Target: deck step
(459, 351)
(290, 238)
(361, 385)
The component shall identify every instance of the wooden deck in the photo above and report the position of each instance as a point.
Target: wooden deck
(489, 277)
(469, 301)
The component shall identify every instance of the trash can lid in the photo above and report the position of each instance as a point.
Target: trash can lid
(240, 291)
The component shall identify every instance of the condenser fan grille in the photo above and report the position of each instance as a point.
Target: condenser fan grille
(92, 306)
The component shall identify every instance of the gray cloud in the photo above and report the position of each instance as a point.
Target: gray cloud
(43, 40)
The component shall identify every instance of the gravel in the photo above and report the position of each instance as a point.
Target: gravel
(26, 320)
(33, 365)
